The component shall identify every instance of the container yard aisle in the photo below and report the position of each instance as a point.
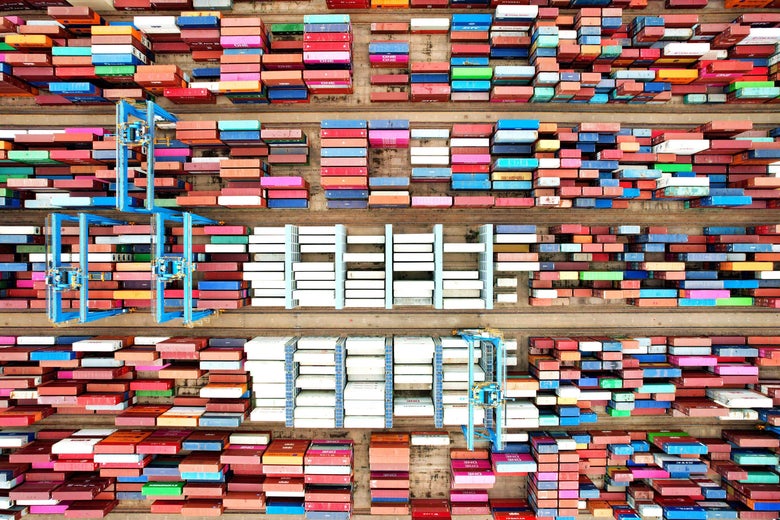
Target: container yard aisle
(618, 225)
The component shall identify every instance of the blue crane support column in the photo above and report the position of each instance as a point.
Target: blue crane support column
(389, 382)
(470, 425)
(488, 394)
(60, 278)
(167, 268)
(341, 379)
(135, 127)
(487, 362)
(438, 383)
(291, 369)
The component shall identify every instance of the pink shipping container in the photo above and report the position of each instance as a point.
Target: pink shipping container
(388, 138)
(172, 152)
(396, 59)
(327, 57)
(468, 495)
(431, 202)
(471, 159)
(84, 130)
(283, 182)
(466, 201)
(707, 294)
(246, 76)
(241, 42)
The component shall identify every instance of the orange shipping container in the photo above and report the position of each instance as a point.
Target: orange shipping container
(282, 78)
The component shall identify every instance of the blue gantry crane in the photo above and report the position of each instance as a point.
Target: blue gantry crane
(487, 395)
(136, 128)
(70, 275)
(169, 267)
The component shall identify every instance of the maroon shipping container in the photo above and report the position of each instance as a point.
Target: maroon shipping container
(201, 96)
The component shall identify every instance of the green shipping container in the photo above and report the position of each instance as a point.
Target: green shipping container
(162, 489)
(609, 382)
(30, 248)
(154, 393)
(738, 85)
(114, 70)
(166, 203)
(736, 301)
(601, 275)
(761, 477)
(286, 28)
(31, 156)
(652, 436)
(623, 397)
(673, 167)
(229, 239)
(472, 73)
(5, 176)
(542, 94)
(611, 51)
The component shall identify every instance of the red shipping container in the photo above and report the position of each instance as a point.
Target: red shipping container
(431, 66)
(430, 92)
(132, 5)
(327, 37)
(470, 49)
